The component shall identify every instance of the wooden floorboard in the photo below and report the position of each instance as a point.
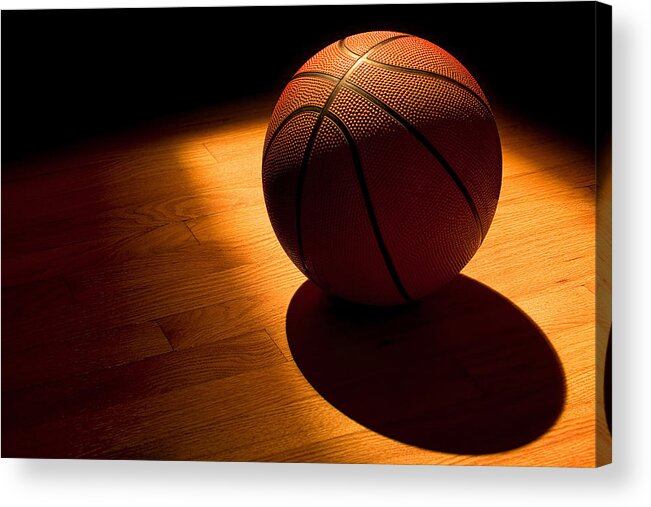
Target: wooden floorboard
(145, 297)
(219, 321)
(97, 350)
(42, 296)
(145, 378)
(43, 264)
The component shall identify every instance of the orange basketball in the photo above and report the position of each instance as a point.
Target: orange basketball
(382, 168)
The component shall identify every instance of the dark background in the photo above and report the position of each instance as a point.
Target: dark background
(70, 75)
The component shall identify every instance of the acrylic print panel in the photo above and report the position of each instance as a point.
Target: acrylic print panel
(219, 246)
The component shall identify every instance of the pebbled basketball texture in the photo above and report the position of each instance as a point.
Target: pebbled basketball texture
(382, 168)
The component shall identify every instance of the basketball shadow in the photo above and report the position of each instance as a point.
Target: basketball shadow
(464, 371)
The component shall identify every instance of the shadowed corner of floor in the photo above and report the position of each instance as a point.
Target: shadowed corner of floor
(463, 371)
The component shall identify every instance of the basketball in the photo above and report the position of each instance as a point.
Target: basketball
(381, 168)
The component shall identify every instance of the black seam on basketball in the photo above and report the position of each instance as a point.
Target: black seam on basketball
(427, 73)
(312, 138)
(341, 44)
(320, 75)
(296, 112)
(345, 50)
(429, 146)
(370, 210)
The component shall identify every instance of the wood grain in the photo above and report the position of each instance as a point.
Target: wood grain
(145, 296)
(93, 351)
(22, 301)
(33, 266)
(149, 376)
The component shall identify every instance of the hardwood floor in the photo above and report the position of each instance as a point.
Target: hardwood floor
(145, 298)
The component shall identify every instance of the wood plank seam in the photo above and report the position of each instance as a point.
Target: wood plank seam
(288, 359)
(164, 334)
(185, 223)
